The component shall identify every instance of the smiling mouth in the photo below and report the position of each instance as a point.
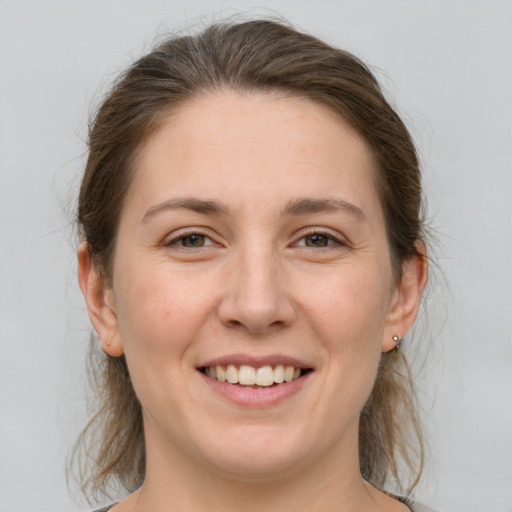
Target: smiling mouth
(245, 375)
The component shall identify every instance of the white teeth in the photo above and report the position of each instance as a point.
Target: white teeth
(279, 374)
(249, 376)
(288, 373)
(232, 374)
(264, 376)
(221, 374)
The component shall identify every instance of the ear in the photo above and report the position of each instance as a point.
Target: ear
(100, 303)
(406, 298)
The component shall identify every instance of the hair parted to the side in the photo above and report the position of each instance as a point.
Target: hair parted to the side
(254, 56)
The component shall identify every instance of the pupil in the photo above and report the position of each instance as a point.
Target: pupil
(193, 241)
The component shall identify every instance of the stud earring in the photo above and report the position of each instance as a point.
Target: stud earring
(107, 343)
(397, 340)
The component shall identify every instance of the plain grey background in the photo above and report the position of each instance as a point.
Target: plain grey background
(448, 67)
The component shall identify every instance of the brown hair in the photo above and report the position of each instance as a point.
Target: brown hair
(251, 56)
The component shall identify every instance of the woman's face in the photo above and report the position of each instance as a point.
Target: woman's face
(252, 240)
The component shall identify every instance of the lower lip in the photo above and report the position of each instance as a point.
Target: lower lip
(257, 397)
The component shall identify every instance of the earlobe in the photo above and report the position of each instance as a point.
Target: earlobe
(406, 299)
(100, 303)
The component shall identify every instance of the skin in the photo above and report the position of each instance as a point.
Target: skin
(253, 285)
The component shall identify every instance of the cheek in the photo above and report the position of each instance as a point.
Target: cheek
(349, 317)
(352, 305)
(158, 320)
(158, 314)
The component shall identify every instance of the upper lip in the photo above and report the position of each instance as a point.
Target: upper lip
(255, 361)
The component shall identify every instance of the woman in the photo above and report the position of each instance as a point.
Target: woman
(252, 257)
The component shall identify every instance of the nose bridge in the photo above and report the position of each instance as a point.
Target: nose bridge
(256, 296)
(259, 275)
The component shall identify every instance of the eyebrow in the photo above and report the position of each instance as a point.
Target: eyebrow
(310, 205)
(296, 207)
(189, 203)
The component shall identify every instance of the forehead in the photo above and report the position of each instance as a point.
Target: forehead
(247, 146)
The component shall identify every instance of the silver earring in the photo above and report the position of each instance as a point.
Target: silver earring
(397, 340)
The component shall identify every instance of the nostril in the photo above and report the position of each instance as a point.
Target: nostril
(235, 323)
(255, 327)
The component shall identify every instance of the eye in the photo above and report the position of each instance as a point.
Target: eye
(191, 241)
(318, 239)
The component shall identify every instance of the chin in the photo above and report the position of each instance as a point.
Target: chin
(256, 452)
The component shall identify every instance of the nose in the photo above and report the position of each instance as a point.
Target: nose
(255, 295)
